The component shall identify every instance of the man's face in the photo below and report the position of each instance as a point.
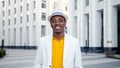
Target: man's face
(58, 23)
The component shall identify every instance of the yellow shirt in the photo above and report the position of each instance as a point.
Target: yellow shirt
(57, 53)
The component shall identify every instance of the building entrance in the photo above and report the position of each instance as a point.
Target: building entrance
(118, 27)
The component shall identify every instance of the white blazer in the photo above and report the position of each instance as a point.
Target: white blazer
(71, 57)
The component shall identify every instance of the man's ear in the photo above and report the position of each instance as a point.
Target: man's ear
(65, 23)
(50, 24)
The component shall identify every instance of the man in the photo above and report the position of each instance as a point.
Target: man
(58, 50)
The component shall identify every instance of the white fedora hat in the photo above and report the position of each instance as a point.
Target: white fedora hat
(59, 13)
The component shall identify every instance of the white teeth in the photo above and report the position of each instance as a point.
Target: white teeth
(57, 27)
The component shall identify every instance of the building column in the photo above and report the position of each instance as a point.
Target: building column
(70, 17)
(81, 27)
(110, 22)
(97, 31)
(24, 42)
(33, 35)
(1, 28)
(17, 37)
(94, 28)
(38, 24)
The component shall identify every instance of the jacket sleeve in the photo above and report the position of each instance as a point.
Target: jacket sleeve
(77, 57)
(37, 63)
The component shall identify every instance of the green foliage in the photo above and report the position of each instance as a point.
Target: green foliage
(111, 54)
(2, 53)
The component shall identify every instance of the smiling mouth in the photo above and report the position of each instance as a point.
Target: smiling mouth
(57, 27)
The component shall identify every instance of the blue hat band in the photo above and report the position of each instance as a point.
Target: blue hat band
(57, 13)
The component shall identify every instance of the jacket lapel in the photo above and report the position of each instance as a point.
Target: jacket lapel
(49, 44)
(66, 47)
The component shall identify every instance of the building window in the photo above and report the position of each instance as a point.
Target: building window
(3, 32)
(27, 6)
(100, 0)
(65, 29)
(14, 20)
(55, 5)
(3, 23)
(8, 12)
(43, 5)
(15, 1)
(43, 16)
(14, 35)
(34, 35)
(43, 29)
(3, 3)
(34, 16)
(9, 36)
(20, 8)
(66, 8)
(14, 10)
(75, 6)
(20, 36)
(9, 2)
(21, 20)
(86, 2)
(27, 18)
(3, 13)
(34, 4)
(27, 35)
(8, 21)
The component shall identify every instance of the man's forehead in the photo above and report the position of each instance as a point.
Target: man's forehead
(57, 16)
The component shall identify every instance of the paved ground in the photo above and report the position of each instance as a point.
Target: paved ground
(99, 61)
(25, 59)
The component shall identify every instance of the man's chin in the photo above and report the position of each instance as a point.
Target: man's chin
(57, 32)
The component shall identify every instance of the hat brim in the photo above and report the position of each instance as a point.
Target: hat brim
(49, 18)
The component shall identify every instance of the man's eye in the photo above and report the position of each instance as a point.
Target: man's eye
(60, 20)
(53, 21)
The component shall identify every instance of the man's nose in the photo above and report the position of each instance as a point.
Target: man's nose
(57, 22)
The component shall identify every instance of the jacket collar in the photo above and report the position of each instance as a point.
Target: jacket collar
(66, 47)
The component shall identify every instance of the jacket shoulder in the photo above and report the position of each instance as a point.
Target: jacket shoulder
(71, 37)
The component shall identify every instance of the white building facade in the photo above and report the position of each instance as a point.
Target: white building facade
(24, 22)
(96, 23)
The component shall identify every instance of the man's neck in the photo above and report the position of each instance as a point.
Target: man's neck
(58, 36)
